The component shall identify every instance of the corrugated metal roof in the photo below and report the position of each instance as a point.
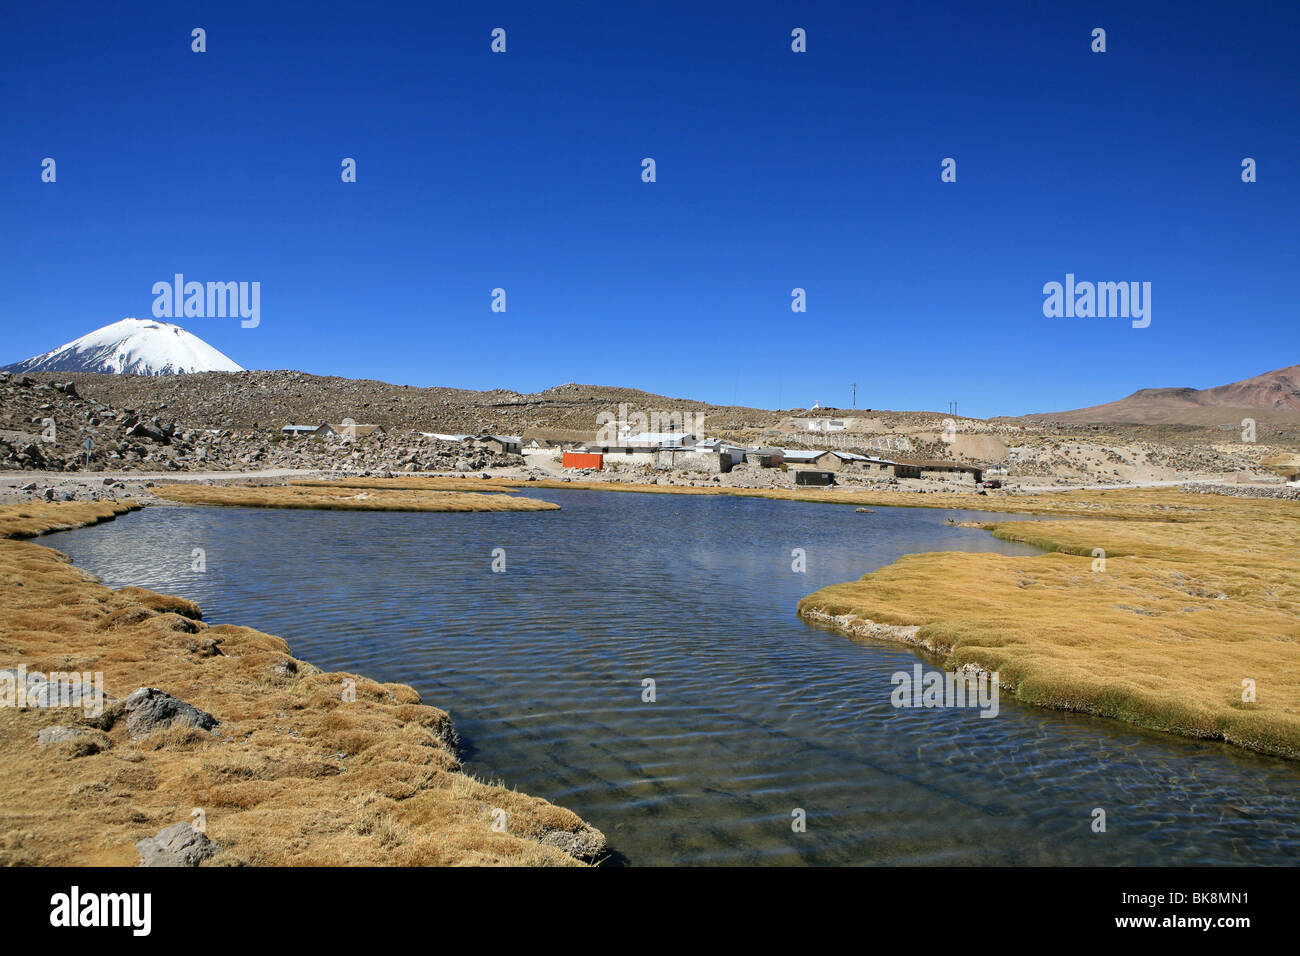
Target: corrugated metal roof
(658, 438)
(797, 454)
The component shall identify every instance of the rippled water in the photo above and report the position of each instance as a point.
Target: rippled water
(757, 714)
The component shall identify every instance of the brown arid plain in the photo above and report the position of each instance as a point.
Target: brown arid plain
(295, 774)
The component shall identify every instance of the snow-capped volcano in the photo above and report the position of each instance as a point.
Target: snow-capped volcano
(132, 347)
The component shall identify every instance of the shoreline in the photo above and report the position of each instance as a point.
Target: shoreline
(293, 772)
(394, 778)
(1163, 624)
(343, 498)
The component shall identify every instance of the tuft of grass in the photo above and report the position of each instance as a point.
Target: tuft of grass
(470, 483)
(1112, 504)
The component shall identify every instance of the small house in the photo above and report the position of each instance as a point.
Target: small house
(501, 444)
(808, 476)
(765, 457)
(299, 431)
(947, 469)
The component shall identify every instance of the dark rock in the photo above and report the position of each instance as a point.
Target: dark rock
(177, 845)
(206, 647)
(586, 844)
(149, 709)
(149, 431)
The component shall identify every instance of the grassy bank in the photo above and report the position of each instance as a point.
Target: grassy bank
(37, 518)
(416, 483)
(1111, 504)
(295, 775)
(1198, 594)
(335, 497)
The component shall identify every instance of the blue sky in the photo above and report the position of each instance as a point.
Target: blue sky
(775, 170)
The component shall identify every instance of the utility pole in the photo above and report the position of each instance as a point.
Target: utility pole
(854, 386)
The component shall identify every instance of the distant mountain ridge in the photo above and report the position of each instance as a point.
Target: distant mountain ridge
(1273, 396)
(132, 347)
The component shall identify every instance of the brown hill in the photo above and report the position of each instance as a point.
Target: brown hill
(1273, 397)
(270, 399)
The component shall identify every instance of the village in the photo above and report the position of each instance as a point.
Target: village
(266, 424)
(673, 450)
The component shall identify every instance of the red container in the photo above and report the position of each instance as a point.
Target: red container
(580, 459)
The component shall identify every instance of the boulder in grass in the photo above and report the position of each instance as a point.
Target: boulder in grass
(149, 709)
(177, 845)
(586, 843)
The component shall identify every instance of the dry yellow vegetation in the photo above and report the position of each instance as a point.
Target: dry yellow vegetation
(344, 498)
(1111, 504)
(1199, 593)
(416, 483)
(37, 518)
(295, 775)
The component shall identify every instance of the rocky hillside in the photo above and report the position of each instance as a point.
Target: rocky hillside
(273, 399)
(1273, 397)
(231, 422)
(44, 427)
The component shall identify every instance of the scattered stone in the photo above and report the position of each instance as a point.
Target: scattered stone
(149, 710)
(586, 844)
(57, 734)
(177, 845)
(206, 647)
(148, 430)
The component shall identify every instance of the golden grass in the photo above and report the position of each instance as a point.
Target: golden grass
(416, 483)
(296, 776)
(1113, 504)
(345, 498)
(35, 518)
(1199, 593)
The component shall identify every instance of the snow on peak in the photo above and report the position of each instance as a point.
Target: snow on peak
(133, 347)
